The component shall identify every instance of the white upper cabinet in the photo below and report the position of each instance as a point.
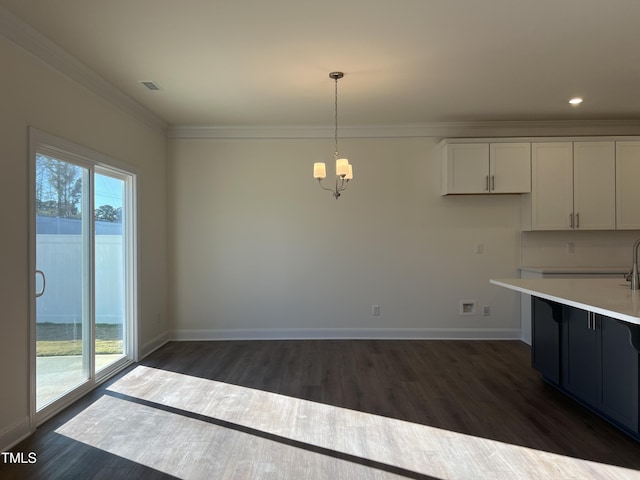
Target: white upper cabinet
(594, 185)
(465, 168)
(510, 167)
(628, 185)
(483, 168)
(579, 183)
(573, 187)
(551, 201)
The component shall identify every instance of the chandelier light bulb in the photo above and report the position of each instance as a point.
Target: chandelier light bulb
(342, 167)
(319, 170)
(349, 173)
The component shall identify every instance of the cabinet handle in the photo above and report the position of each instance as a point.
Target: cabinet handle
(577, 220)
(487, 183)
(571, 219)
(493, 182)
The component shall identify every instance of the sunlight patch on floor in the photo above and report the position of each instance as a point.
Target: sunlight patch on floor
(191, 427)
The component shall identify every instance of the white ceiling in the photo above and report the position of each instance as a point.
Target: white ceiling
(266, 63)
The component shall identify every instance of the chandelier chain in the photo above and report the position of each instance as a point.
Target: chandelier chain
(336, 118)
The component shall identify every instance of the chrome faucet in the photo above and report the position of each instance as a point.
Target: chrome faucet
(635, 276)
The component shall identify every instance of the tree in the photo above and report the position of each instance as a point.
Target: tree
(58, 188)
(109, 214)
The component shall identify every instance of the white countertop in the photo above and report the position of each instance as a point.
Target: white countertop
(576, 270)
(612, 297)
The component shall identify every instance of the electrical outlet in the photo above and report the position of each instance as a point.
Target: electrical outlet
(375, 310)
(486, 310)
(480, 248)
(571, 247)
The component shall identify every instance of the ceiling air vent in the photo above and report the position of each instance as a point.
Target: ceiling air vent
(150, 85)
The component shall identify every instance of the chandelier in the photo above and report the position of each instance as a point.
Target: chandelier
(344, 170)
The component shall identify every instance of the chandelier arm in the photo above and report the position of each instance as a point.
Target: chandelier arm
(343, 185)
(325, 188)
(337, 189)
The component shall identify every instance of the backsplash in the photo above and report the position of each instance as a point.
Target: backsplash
(577, 248)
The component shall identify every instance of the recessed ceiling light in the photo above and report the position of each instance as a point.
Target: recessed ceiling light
(575, 101)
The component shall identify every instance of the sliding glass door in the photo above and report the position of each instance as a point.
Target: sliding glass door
(63, 268)
(84, 261)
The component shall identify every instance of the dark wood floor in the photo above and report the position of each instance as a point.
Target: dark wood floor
(481, 393)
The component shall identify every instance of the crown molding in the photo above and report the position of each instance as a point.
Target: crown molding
(436, 129)
(26, 37)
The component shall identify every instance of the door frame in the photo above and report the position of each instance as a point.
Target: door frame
(88, 158)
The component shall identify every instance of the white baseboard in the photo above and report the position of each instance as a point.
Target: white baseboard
(348, 333)
(14, 434)
(154, 344)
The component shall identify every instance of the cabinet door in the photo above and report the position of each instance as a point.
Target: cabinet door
(627, 186)
(579, 355)
(551, 186)
(466, 168)
(594, 186)
(510, 167)
(618, 373)
(545, 343)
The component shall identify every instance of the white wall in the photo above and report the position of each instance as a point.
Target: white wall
(32, 94)
(257, 249)
(589, 248)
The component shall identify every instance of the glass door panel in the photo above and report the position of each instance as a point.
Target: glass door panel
(110, 269)
(63, 264)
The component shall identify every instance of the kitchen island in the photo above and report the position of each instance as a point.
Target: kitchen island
(585, 342)
(607, 296)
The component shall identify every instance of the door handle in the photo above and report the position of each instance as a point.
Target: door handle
(44, 283)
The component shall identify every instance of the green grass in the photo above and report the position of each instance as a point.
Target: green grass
(58, 348)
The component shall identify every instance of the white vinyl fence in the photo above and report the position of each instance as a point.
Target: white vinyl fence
(59, 256)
